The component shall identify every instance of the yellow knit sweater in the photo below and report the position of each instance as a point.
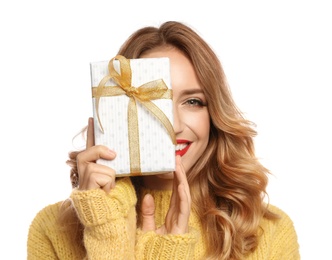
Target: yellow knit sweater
(110, 231)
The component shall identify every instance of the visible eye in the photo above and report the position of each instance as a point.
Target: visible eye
(195, 102)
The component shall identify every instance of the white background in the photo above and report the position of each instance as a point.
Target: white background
(278, 59)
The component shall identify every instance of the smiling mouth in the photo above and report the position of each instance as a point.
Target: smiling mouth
(182, 148)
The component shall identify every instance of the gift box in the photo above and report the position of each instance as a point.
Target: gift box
(133, 114)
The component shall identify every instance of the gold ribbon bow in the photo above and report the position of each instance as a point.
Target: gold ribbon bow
(152, 90)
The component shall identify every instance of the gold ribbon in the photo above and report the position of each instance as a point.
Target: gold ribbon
(152, 90)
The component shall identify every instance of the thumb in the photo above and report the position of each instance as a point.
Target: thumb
(148, 222)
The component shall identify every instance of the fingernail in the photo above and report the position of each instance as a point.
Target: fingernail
(90, 120)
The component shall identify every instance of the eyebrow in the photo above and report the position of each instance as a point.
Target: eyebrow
(192, 91)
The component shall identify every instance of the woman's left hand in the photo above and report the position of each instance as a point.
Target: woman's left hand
(177, 217)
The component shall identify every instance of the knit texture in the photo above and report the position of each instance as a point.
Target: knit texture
(110, 231)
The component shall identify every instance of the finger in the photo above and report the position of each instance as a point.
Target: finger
(104, 181)
(97, 176)
(181, 176)
(96, 173)
(93, 175)
(181, 199)
(90, 141)
(184, 209)
(94, 153)
(148, 209)
(180, 172)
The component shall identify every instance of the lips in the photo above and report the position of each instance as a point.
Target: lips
(182, 147)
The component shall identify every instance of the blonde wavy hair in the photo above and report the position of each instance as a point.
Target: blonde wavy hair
(227, 183)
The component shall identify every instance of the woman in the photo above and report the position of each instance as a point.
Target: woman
(211, 207)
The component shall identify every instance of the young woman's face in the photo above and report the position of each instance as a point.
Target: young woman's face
(191, 117)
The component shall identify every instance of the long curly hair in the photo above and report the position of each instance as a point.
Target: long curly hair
(227, 183)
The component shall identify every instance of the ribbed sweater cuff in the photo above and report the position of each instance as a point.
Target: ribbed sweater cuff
(153, 246)
(96, 207)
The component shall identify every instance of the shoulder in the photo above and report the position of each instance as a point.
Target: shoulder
(283, 217)
(282, 227)
(50, 210)
(46, 217)
(279, 238)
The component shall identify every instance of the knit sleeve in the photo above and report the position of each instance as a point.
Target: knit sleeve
(151, 246)
(109, 220)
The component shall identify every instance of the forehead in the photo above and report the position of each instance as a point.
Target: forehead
(183, 75)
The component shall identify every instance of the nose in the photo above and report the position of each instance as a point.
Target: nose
(177, 122)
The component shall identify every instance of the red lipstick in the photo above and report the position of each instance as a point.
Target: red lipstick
(182, 147)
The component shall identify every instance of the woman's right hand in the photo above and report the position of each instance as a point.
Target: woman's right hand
(177, 218)
(93, 175)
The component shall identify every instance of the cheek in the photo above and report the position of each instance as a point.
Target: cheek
(200, 123)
